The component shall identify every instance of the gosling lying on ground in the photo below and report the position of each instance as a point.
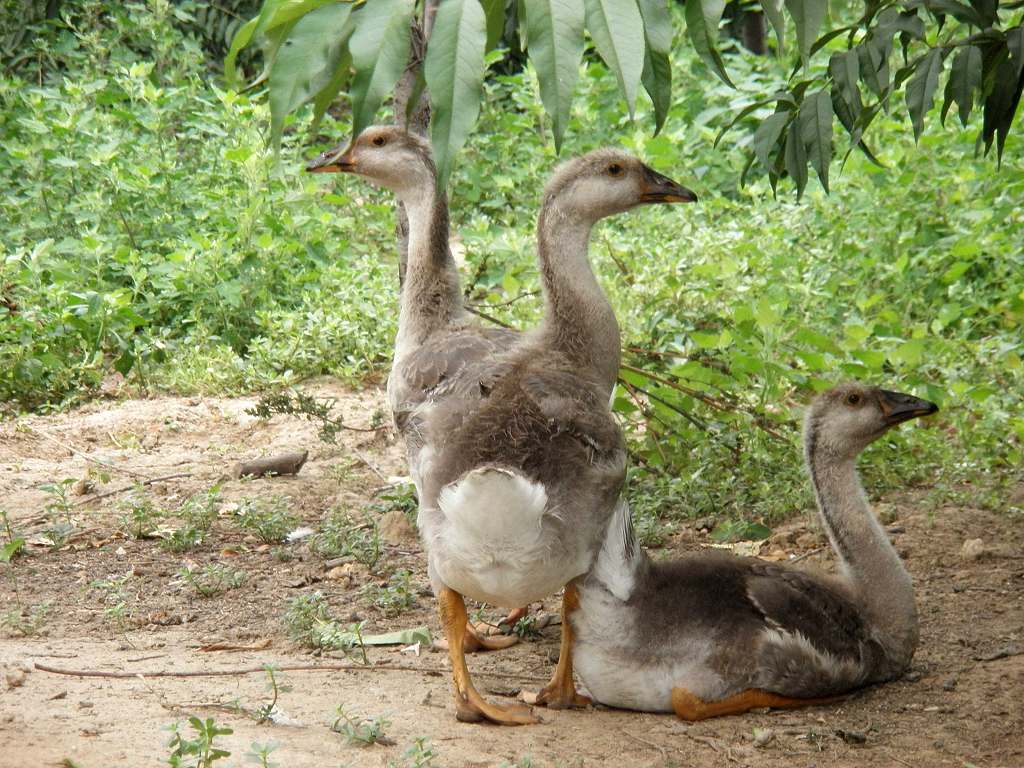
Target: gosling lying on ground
(712, 634)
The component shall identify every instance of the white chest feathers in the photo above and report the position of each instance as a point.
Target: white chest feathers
(497, 543)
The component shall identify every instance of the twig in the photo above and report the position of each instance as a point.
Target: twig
(513, 300)
(124, 488)
(805, 555)
(90, 459)
(369, 464)
(146, 658)
(487, 317)
(651, 744)
(432, 671)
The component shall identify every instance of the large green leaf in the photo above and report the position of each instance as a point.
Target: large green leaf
(306, 62)
(702, 20)
(796, 157)
(327, 94)
(554, 34)
(921, 88)
(380, 50)
(964, 81)
(845, 70)
(767, 135)
(657, 74)
(454, 70)
(494, 10)
(618, 33)
(1006, 82)
(808, 16)
(773, 11)
(816, 127)
(241, 39)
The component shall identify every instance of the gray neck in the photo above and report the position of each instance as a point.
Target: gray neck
(431, 295)
(578, 319)
(869, 562)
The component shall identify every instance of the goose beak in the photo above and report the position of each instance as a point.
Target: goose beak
(661, 189)
(335, 160)
(898, 407)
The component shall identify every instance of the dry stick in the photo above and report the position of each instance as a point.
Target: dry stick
(433, 671)
(487, 317)
(124, 488)
(90, 459)
(490, 305)
(651, 744)
(805, 555)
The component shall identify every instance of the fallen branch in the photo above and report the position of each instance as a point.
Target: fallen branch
(282, 464)
(805, 555)
(431, 671)
(123, 488)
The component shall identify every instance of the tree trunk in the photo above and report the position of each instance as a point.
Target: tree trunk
(747, 24)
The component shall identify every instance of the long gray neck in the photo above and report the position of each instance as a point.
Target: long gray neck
(868, 560)
(431, 294)
(578, 319)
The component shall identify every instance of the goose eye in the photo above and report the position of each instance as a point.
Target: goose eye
(852, 399)
(379, 141)
(615, 169)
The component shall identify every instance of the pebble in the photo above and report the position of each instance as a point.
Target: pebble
(913, 676)
(763, 736)
(950, 684)
(852, 737)
(972, 549)
(15, 677)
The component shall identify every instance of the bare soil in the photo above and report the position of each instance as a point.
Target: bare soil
(961, 704)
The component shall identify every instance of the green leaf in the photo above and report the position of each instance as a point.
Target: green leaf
(241, 39)
(921, 88)
(494, 10)
(773, 11)
(618, 33)
(402, 636)
(10, 549)
(554, 34)
(845, 71)
(454, 71)
(380, 50)
(767, 135)
(964, 81)
(340, 78)
(816, 127)
(740, 530)
(796, 157)
(657, 73)
(808, 16)
(306, 62)
(702, 20)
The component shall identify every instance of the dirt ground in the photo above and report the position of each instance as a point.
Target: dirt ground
(962, 703)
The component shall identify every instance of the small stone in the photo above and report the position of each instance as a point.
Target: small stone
(852, 737)
(913, 676)
(15, 677)
(972, 549)
(396, 529)
(85, 704)
(120, 552)
(950, 684)
(763, 736)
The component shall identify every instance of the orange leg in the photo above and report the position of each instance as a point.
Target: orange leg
(689, 707)
(515, 615)
(561, 693)
(470, 706)
(475, 640)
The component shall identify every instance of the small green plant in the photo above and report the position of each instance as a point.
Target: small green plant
(58, 533)
(526, 627)
(361, 731)
(308, 622)
(212, 579)
(60, 503)
(295, 403)
(183, 539)
(269, 521)
(14, 544)
(340, 536)
(394, 598)
(27, 622)
(139, 516)
(265, 712)
(260, 754)
(198, 752)
(115, 598)
(200, 510)
(420, 755)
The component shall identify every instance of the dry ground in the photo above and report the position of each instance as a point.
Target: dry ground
(963, 702)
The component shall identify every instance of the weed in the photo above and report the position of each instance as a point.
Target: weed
(198, 752)
(27, 622)
(183, 539)
(115, 598)
(361, 731)
(269, 521)
(265, 712)
(212, 579)
(420, 755)
(526, 627)
(308, 622)
(60, 503)
(260, 754)
(282, 554)
(199, 511)
(139, 516)
(14, 545)
(340, 536)
(295, 403)
(394, 597)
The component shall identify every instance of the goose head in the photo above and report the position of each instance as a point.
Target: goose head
(846, 418)
(609, 181)
(386, 156)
